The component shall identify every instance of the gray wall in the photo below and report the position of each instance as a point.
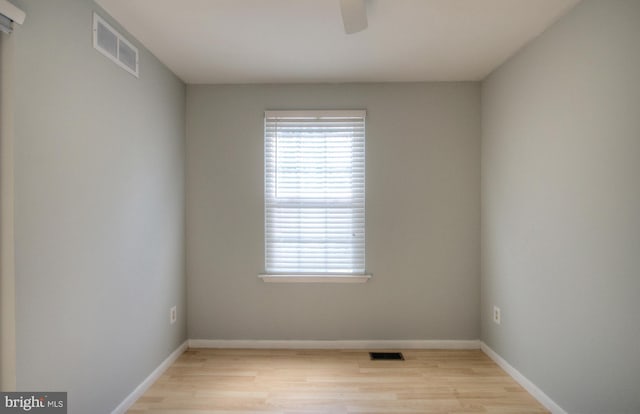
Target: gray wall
(99, 226)
(7, 253)
(422, 216)
(560, 205)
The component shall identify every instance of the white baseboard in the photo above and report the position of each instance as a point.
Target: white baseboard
(531, 388)
(144, 385)
(320, 344)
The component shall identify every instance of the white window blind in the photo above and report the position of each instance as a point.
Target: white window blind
(315, 192)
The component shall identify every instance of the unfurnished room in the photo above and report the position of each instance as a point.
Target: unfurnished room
(320, 206)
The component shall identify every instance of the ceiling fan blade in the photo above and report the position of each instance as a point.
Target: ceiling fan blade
(354, 15)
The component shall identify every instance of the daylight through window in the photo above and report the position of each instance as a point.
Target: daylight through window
(315, 192)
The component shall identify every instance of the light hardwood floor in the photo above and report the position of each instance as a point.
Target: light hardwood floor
(327, 381)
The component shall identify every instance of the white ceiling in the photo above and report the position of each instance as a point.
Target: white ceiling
(274, 41)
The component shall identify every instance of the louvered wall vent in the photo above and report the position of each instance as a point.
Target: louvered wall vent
(113, 45)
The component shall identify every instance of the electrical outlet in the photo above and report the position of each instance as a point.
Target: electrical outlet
(496, 315)
(173, 315)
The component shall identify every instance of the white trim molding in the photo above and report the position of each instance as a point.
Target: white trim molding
(330, 113)
(328, 278)
(144, 385)
(531, 388)
(338, 344)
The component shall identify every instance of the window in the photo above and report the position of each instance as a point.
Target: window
(314, 193)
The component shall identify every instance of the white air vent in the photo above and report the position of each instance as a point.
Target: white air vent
(6, 24)
(113, 45)
(8, 15)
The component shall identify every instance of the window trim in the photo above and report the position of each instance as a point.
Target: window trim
(314, 278)
(302, 277)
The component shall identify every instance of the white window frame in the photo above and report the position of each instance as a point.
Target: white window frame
(270, 199)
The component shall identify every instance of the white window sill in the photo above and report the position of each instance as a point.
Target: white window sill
(317, 278)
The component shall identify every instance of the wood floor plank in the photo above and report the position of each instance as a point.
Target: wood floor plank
(330, 381)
